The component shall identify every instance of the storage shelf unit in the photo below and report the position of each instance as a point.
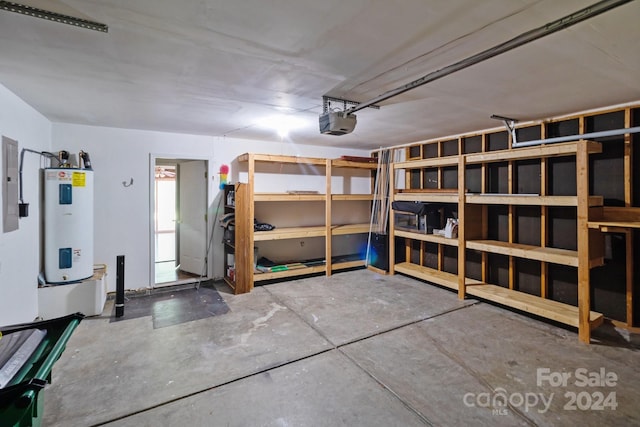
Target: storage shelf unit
(247, 200)
(474, 215)
(228, 238)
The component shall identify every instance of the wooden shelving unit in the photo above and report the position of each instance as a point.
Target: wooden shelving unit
(229, 236)
(247, 199)
(475, 220)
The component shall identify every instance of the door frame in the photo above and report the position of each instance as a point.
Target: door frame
(153, 157)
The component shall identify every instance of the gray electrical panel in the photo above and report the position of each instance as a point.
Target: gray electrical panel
(9, 184)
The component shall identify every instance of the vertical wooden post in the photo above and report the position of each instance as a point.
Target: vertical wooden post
(392, 227)
(407, 174)
(628, 201)
(440, 174)
(244, 238)
(327, 220)
(628, 161)
(485, 213)
(511, 222)
(462, 245)
(584, 291)
(544, 218)
(440, 265)
(630, 266)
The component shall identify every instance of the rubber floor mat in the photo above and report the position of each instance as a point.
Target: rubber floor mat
(173, 308)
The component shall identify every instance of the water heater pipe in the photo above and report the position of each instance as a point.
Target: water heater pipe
(591, 135)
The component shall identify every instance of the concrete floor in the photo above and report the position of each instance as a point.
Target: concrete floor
(353, 349)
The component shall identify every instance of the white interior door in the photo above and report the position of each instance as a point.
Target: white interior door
(192, 223)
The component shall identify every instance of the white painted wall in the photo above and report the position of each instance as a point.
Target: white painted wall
(122, 220)
(20, 259)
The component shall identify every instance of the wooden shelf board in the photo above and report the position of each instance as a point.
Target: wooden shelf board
(269, 158)
(340, 163)
(347, 264)
(614, 224)
(536, 152)
(289, 273)
(554, 310)
(427, 197)
(426, 163)
(438, 277)
(552, 255)
(289, 233)
(351, 197)
(433, 238)
(528, 200)
(287, 197)
(337, 230)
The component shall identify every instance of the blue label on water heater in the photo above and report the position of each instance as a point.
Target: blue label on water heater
(65, 194)
(65, 257)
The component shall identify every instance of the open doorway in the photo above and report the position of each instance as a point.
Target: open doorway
(179, 205)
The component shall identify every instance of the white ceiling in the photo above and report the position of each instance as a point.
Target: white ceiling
(217, 67)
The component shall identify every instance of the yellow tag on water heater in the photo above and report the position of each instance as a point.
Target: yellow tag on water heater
(78, 179)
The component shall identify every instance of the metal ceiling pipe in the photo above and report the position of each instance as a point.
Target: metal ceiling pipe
(601, 134)
(522, 39)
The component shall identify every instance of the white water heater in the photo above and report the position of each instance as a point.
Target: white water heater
(68, 227)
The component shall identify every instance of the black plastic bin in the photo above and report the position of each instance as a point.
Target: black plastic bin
(22, 399)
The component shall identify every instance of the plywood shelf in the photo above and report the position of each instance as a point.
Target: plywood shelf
(339, 230)
(271, 158)
(621, 218)
(536, 152)
(289, 273)
(351, 197)
(340, 163)
(432, 238)
(554, 310)
(308, 197)
(427, 197)
(289, 233)
(426, 163)
(288, 197)
(432, 275)
(347, 264)
(529, 200)
(552, 255)
(605, 225)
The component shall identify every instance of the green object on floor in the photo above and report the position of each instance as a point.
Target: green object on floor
(22, 400)
(279, 268)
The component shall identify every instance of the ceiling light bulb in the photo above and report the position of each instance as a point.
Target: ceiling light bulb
(283, 132)
(282, 124)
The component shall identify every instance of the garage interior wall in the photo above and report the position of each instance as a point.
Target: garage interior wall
(20, 250)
